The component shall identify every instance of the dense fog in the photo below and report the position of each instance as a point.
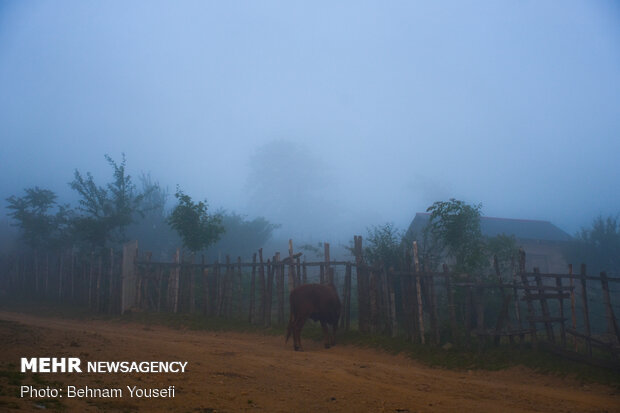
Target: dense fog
(324, 119)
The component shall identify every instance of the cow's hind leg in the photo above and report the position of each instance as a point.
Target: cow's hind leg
(299, 324)
(326, 340)
(335, 327)
(290, 328)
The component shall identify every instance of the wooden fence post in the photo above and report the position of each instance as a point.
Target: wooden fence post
(60, 271)
(347, 296)
(478, 306)
(385, 301)
(139, 272)
(36, 272)
(433, 313)
(261, 288)
(160, 288)
(252, 317)
(279, 268)
(222, 277)
(363, 296)
(612, 324)
(91, 272)
(47, 273)
(392, 301)
(586, 313)
(218, 288)
(327, 267)
(304, 272)
(142, 273)
(111, 289)
(404, 305)
(527, 293)
(239, 289)
(175, 280)
(558, 283)
(451, 305)
(268, 293)
(228, 288)
(99, 283)
(416, 266)
(515, 293)
(544, 306)
(373, 301)
(572, 303)
(503, 315)
(128, 280)
(205, 287)
(206, 297)
(72, 275)
(291, 268)
(192, 283)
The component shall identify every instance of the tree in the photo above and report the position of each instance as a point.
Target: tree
(384, 246)
(598, 246)
(107, 211)
(197, 229)
(455, 226)
(152, 229)
(39, 225)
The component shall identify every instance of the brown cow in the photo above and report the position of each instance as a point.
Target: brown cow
(320, 303)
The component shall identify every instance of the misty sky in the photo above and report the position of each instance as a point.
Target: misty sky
(513, 104)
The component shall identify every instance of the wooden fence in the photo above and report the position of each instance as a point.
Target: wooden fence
(92, 280)
(574, 313)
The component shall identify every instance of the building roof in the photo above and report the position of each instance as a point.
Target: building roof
(524, 229)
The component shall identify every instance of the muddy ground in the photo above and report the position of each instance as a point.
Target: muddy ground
(237, 372)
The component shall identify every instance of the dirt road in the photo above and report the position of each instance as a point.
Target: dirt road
(234, 372)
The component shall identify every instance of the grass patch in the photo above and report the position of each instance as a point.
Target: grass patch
(193, 321)
(487, 357)
(48, 308)
(199, 322)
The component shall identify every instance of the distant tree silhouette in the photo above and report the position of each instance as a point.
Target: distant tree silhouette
(39, 225)
(152, 229)
(598, 246)
(242, 236)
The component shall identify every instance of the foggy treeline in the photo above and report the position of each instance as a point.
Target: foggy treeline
(106, 215)
(109, 214)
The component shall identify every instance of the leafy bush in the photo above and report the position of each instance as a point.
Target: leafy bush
(197, 229)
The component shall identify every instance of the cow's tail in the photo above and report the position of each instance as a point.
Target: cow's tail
(291, 321)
